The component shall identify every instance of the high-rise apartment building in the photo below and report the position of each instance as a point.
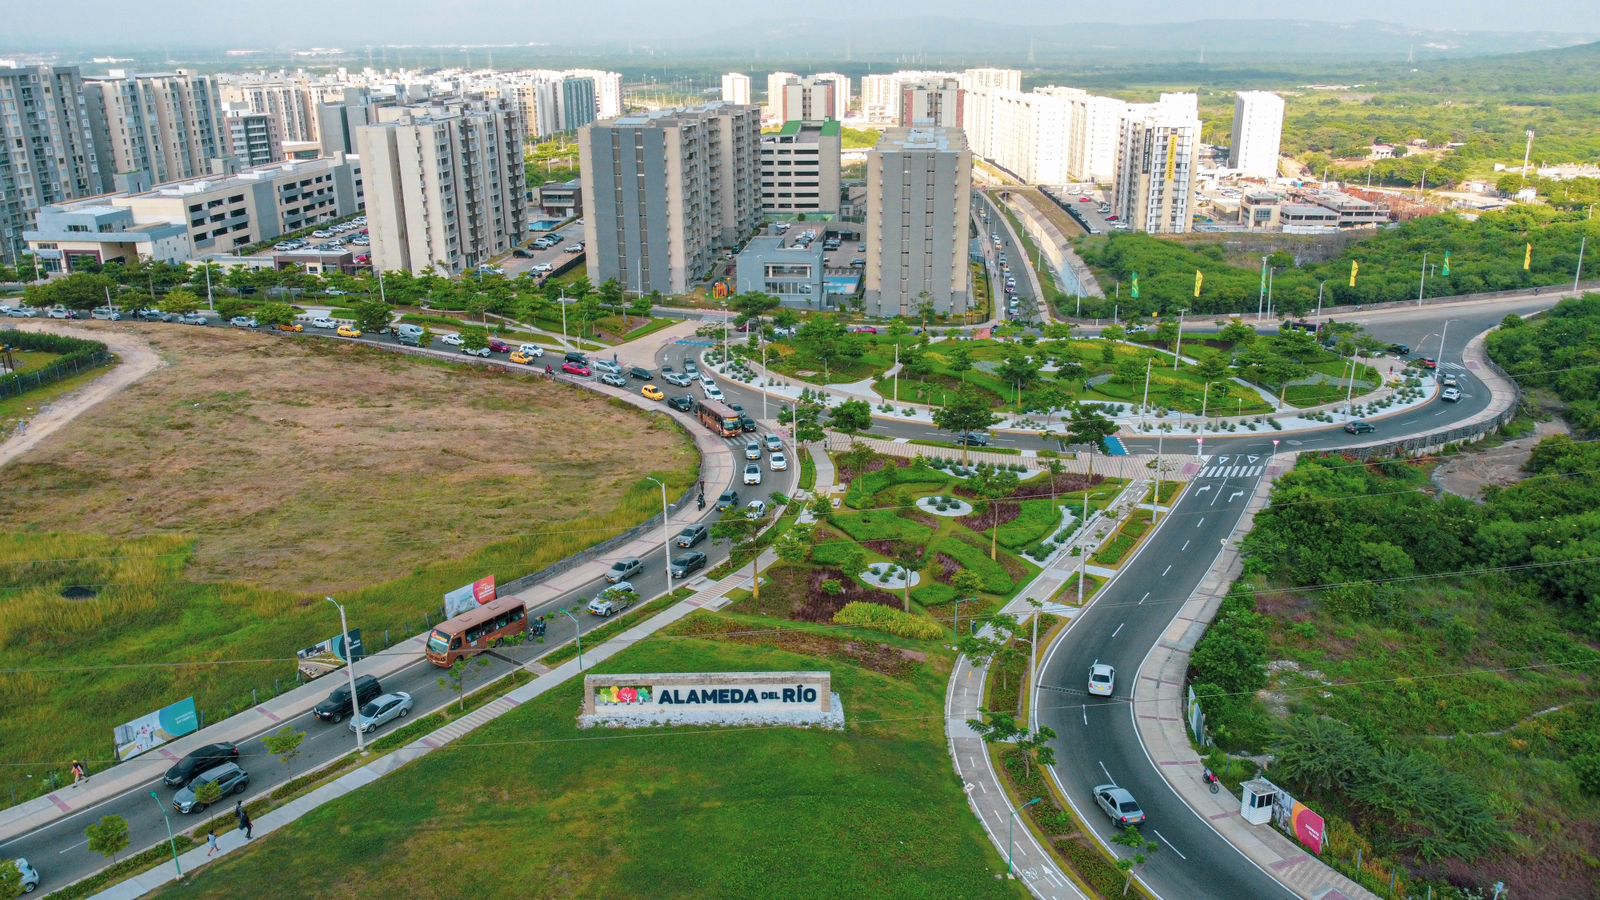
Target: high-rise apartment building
(773, 109)
(808, 99)
(252, 137)
(1257, 131)
(1028, 135)
(1092, 133)
(293, 100)
(664, 192)
(607, 92)
(444, 184)
(841, 93)
(578, 102)
(337, 121)
(47, 153)
(919, 198)
(158, 128)
(992, 79)
(800, 169)
(736, 89)
(882, 95)
(931, 102)
(1158, 154)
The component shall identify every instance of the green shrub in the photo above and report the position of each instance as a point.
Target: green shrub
(996, 580)
(865, 489)
(1114, 550)
(882, 525)
(888, 620)
(933, 593)
(832, 553)
(1037, 518)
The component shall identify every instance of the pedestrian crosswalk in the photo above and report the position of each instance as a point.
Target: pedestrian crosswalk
(1233, 471)
(1456, 367)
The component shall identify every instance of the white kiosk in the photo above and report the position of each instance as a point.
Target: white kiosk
(1257, 800)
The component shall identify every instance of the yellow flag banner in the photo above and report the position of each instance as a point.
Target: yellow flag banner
(1355, 269)
(1527, 258)
(1199, 279)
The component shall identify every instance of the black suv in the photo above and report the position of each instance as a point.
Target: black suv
(973, 439)
(641, 373)
(692, 535)
(688, 562)
(337, 706)
(201, 759)
(681, 403)
(576, 357)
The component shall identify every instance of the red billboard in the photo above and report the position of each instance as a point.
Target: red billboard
(483, 590)
(1308, 827)
(469, 596)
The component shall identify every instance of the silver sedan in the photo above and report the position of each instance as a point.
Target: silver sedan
(382, 710)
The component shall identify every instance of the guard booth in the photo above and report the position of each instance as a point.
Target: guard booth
(1257, 801)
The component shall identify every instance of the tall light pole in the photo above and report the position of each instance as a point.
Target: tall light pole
(1320, 286)
(1261, 294)
(1423, 279)
(171, 841)
(666, 534)
(563, 304)
(577, 635)
(1579, 270)
(350, 674)
(1145, 403)
(1178, 350)
(1011, 868)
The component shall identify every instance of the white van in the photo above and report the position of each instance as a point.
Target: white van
(531, 350)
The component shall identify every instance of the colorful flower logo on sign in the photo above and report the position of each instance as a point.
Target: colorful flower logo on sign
(615, 694)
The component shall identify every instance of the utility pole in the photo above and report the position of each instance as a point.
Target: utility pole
(1261, 297)
(1527, 153)
(1178, 350)
(1145, 403)
(350, 674)
(1320, 285)
(1423, 280)
(1579, 270)
(666, 533)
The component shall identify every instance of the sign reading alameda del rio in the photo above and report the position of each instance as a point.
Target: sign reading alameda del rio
(731, 698)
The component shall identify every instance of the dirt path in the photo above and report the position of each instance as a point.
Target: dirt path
(138, 360)
(1467, 474)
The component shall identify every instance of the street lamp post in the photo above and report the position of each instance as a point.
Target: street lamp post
(1011, 868)
(1145, 403)
(1582, 243)
(350, 673)
(1177, 351)
(1261, 293)
(1320, 285)
(563, 303)
(1422, 280)
(577, 635)
(666, 535)
(171, 841)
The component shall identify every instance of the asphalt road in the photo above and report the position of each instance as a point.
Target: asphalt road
(1097, 742)
(60, 852)
(1016, 257)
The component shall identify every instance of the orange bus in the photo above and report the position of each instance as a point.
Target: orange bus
(476, 630)
(718, 417)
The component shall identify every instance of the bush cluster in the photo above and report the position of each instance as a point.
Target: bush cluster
(889, 621)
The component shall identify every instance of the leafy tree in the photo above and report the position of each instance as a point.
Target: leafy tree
(285, 745)
(641, 306)
(588, 311)
(994, 486)
(274, 314)
(1048, 398)
(1036, 748)
(1167, 333)
(1113, 333)
(79, 291)
(823, 338)
(611, 294)
(853, 417)
(960, 363)
(1019, 370)
(965, 412)
(477, 305)
(108, 837)
(752, 305)
(907, 556)
(1087, 426)
(180, 303)
(455, 677)
(1141, 847)
(206, 795)
(10, 878)
(474, 337)
(372, 315)
(796, 544)
(228, 307)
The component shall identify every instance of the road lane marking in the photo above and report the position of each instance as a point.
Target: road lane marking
(1119, 629)
(1086, 721)
(1234, 496)
(1144, 598)
(1168, 843)
(71, 848)
(1202, 519)
(1166, 570)
(1184, 547)
(1107, 771)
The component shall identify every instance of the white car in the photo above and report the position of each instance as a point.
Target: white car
(382, 710)
(1450, 394)
(755, 509)
(574, 248)
(752, 450)
(752, 474)
(324, 322)
(22, 312)
(541, 268)
(1102, 679)
(452, 339)
(678, 378)
(774, 443)
(30, 876)
(778, 462)
(714, 393)
(322, 234)
(531, 350)
(58, 313)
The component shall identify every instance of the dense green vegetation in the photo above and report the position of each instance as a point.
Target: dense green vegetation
(555, 160)
(1560, 352)
(584, 828)
(1424, 642)
(1486, 255)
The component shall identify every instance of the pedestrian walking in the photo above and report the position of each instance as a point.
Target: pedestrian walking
(211, 841)
(245, 825)
(79, 773)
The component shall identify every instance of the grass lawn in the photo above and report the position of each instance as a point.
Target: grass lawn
(28, 360)
(210, 506)
(25, 405)
(532, 800)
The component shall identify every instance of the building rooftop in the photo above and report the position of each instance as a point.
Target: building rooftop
(922, 138)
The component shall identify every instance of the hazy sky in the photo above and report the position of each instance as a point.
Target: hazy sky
(352, 23)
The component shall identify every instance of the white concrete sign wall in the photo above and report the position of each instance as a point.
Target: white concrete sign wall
(799, 698)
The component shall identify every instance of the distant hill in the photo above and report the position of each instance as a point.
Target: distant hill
(974, 41)
(1567, 70)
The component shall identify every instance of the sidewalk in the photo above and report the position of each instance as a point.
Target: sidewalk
(1159, 690)
(710, 597)
(717, 468)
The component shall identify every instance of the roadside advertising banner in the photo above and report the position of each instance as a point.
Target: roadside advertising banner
(468, 596)
(1308, 827)
(320, 659)
(154, 729)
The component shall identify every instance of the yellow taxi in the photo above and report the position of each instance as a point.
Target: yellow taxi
(521, 359)
(651, 392)
(348, 331)
(292, 327)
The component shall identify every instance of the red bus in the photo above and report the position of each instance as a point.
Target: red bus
(476, 630)
(719, 418)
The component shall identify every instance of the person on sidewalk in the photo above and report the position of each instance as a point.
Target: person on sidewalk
(79, 774)
(245, 825)
(211, 841)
